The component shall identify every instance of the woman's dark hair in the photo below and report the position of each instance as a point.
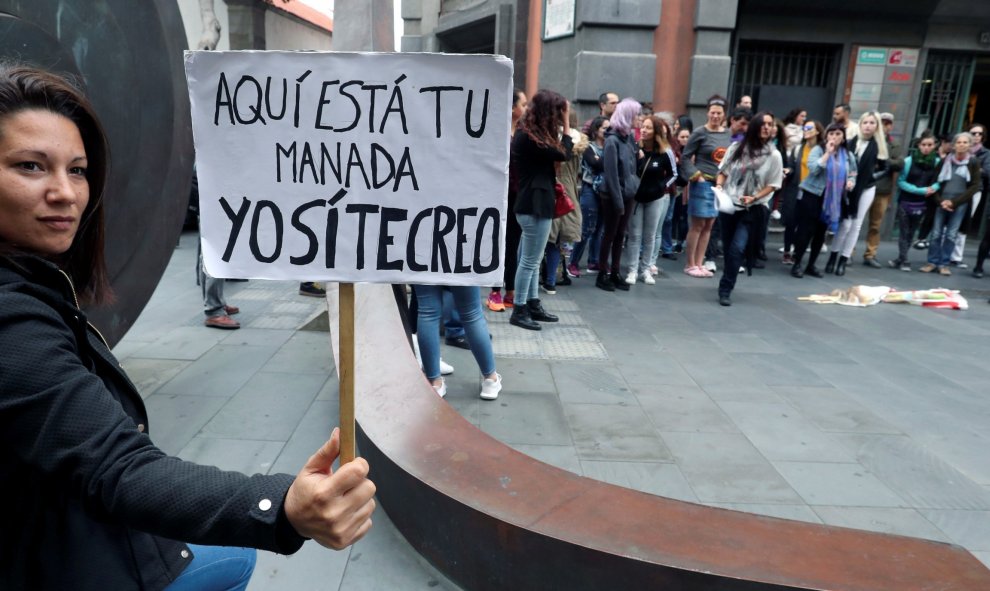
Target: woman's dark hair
(752, 142)
(661, 135)
(716, 100)
(23, 88)
(596, 124)
(820, 132)
(544, 117)
(793, 115)
(516, 94)
(685, 122)
(836, 127)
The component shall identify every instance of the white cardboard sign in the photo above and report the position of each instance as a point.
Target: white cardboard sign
(354, 167)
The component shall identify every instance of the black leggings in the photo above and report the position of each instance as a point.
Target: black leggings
(981, 254)
(614, 224)
(810, 227)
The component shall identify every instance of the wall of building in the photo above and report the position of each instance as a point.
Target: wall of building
(283, 31)
(194, 25)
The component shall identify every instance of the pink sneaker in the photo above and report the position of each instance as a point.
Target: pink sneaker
(698, 272)
(705, 272)
(573, 271)
(689, 270)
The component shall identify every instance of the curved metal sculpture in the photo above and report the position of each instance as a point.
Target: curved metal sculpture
(129, 57)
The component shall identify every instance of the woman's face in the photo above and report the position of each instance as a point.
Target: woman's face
(520, 107)
(926, 146)
(646, 129)
(801, 118)
(682, 137)
(716, 115)
(768, 129)
(43, 186)
(835, 136)
(810, 131)
(962, 145)
(868, 127)
(603, 129)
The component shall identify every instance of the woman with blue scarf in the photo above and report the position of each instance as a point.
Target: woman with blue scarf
(831, 172)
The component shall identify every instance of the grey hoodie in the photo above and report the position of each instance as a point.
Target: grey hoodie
(619, 158)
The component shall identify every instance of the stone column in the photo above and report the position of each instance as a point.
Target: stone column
(711, 64)
(363, 25)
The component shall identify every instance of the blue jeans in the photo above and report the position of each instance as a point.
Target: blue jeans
(665, 240)
(452, 327)
(467, 300)
(591, 228)
(943, 237)
(553, 262)
(535, 232)
(641, 233)
(216, 568)
(735, 237)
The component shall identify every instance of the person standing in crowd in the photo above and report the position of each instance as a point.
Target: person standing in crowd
(656, 167)
(675, 227)
(699, 164)
(750, 173)
(98, 505)
(621, 183)
(959, 179)
(745, 102)
(566, 229)
(840, 116)
(827, 173)
(795, 171)
(976, 208)
(884, 190)
(537, 147)
(944, 143)
(496, 303)
(794, 127)
(592, 179)
(870, 148)
(607, 102)
(982, 153)
(917, 185)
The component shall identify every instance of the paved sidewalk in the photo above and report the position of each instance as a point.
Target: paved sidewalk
(868, 418)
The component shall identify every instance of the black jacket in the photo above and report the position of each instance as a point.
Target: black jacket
(91, 502)
(619, 160)
(537, 174)
(657, 172)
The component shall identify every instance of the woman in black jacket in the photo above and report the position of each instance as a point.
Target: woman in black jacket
(616, 197)
(537, 147)
(93, 504)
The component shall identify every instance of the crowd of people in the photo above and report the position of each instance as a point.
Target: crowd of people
(651, 186)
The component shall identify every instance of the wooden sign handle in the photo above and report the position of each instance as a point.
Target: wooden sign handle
(346, 373)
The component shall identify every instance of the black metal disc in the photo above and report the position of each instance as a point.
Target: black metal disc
(129, 56)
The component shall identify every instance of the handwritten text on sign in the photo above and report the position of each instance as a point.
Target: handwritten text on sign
(352, 167)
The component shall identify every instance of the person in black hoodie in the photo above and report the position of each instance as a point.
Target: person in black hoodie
(916, 187)
(870, 148)
(537, 147)
(621, 183)
(94, 503)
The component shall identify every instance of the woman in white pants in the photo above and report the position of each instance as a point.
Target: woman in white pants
(870, 148)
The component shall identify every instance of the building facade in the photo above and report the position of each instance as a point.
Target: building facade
(261, 24)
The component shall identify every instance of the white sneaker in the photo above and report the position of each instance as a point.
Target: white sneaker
(781, 249)
(631, 278)
(441, 390)
(445, 368)
(775, 215)
(654, 269)
(648, 278)
(491, 388)
(710, 266)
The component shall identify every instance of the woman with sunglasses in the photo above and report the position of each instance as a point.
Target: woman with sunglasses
(750, 173)
(795, 171)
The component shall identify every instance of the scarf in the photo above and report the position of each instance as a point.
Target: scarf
(961, 168)
(925, 161)
(835, 186)
(975, 148)
(742, 178)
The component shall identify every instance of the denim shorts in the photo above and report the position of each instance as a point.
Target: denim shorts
(701, 200)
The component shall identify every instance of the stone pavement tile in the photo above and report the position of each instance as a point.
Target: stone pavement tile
(685, 345)
(149, 374)
(129, 345)
(722, 369)
(525, 417)
(983, 557)
(743, 343)
(780, 370)
(920, 477)
(781, 433)
(241, 455)
(603, 432)
(220, 372)
(305, 352)
(183, 342)
(756, 392)
(822, 483)
(809, 350)
(970, 529)
(591, 383)
(174, 419)
(269, 407)
(793, 512)
(469, 404)
(850, 375)
(257, 337)
(656, 478)
(523, 375)
(726, 468)
(384, 561)
(657, 369)
(683, 408)
(312, 431)
(833, 410)
(888, 520)
(330, 389)
(312, 568)
(561, 456)
(962, 446)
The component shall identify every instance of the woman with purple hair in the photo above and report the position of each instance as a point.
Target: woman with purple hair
(616, 196)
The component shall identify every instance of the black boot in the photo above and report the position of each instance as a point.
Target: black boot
(813, 271)
(618, 282)
(522, 318)
(830, 265)
(603, 282)
(796, 271)
(536, 312)
(840, 268)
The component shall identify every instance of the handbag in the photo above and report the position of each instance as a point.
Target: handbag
(563, 204)
(723, 202)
